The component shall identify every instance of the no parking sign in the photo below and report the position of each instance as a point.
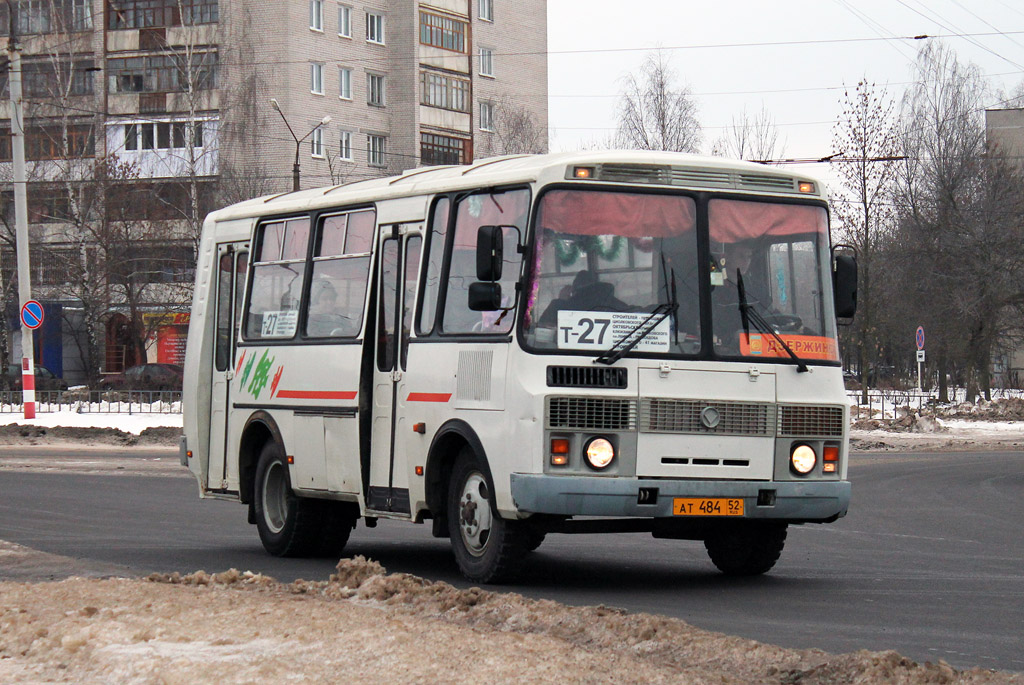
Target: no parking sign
(32, 314)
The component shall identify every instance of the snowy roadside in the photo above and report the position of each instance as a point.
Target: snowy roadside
(369, 626)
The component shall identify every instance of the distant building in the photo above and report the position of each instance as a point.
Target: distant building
(176, 94)
(1004, 132)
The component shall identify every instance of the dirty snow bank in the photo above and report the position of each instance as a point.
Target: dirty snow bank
(365, 624)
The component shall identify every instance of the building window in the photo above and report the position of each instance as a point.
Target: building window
(316, 142)
(316, 73)
(444, 91)
(486, 115)
(316, 15)
(375, 28)
(376, 150)
(345, 83)
(375, 90)
(163, 73)
(486, 62)
(344, 21)
(163, 135)
(435, 149)
(139, 14)
(442, 32)
(486, 10)
(345, 147)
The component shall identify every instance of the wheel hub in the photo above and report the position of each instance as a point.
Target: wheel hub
(474, 514)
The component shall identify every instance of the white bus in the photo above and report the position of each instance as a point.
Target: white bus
(565, 343)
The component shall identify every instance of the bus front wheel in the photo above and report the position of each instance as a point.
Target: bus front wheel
(288, 525)
(747, 549)
(486, 546)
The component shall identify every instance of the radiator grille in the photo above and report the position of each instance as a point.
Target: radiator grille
(661, 415)
(591, 413)
(586, 377)
(808, 421)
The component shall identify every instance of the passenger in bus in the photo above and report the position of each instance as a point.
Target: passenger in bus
(324, 317)
(586, 294)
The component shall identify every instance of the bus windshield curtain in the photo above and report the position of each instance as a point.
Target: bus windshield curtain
(736, 220)
(632, 215)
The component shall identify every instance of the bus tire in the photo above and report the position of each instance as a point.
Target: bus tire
(487, 547)
(747, 549)
(534, 539)
(288, 525)
(338, 520)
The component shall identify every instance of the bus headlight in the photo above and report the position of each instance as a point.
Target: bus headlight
(803, 459)
(599, 453)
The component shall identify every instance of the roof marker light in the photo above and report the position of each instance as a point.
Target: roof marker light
(806, 187)
(583, 172)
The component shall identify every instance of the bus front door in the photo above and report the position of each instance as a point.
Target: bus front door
(399, 268)
(232, 260)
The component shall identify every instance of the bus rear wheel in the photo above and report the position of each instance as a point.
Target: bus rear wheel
(289, 525)
(487, 547)
(746, 549)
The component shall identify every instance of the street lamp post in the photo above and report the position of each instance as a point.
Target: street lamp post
(298, 141)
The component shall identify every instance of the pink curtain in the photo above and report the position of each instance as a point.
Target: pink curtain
(610, 213)
(735, 220)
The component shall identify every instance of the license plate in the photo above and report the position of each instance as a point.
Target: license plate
(707, 506)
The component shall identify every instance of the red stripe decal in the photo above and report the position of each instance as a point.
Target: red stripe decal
(428, 397)
(28, 381)
(315, 395)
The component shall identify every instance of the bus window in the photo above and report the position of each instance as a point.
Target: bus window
(503, 208)
(222, 349)
(386, 317)
(277, 280)
(435, 260)
(412, 270)
(338, 290)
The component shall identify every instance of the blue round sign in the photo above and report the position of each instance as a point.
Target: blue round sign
(920, 337)
(32, 314)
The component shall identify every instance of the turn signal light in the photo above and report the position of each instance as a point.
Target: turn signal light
(583, 172)
(828, 467)
(831, 453)
(559, 451)
(291, 459)
(189, 454)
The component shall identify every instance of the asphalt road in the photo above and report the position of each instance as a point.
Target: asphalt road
(929, 562)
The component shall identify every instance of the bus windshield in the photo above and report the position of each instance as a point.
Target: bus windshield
(605, 260)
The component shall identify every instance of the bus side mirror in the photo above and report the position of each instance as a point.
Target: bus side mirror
(489, 253)
(485, 297)
(844, 286)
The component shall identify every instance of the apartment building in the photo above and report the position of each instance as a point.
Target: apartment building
(142, 115)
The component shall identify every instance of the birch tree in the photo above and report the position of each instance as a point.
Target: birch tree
(656, 112)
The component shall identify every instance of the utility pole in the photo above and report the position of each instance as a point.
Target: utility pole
(28, 373)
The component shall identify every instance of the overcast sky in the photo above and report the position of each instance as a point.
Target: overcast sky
(793, 58)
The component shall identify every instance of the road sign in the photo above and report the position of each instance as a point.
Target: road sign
(920, 356)
(32, 314)
(920, 337)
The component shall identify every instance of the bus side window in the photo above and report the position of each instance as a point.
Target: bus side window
(436, 239)
(277, 280)
(502, 208)
(222, 348)
(341, 267)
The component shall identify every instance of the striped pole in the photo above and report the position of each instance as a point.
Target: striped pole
(28, 387)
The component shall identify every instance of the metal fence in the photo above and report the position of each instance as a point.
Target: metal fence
(97, 401)
(887, 403)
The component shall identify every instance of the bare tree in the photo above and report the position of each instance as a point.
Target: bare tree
(515, 131)
(867, 136)
(752, 138)
(656, 113)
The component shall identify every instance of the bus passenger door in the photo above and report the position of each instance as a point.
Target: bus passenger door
(398, 273)
(232, 261)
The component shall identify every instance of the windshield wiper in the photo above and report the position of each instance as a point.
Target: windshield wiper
(750, 315)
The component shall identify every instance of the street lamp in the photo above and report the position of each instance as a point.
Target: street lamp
(298, 141)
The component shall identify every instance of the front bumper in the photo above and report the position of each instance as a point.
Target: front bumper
(589, 496)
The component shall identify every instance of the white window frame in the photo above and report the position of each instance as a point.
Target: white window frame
(345, 146)
(316, 78)
(316, 143)
(345, 83)
(376, 150)
(485, 10)
(486, 56)
(344, 21)
(375, 28)
(371, 90)
(316, 15)
(486, 116)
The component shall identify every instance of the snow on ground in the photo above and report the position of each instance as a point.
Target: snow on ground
(134, 423)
